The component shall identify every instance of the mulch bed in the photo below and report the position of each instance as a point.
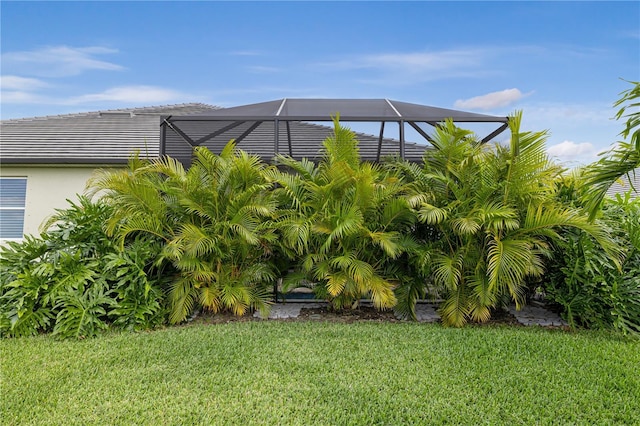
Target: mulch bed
(362, 313)
(347, 316)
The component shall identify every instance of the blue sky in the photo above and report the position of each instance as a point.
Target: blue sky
(561, 63)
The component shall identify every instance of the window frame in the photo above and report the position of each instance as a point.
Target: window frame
(22, 208)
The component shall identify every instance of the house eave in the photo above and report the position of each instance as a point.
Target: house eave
(62, 161)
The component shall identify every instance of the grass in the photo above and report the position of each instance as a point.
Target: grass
(304, 373)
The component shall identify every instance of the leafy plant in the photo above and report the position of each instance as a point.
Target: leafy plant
(21, 313)
(212, 221)
(592, 291)
(490, 214)
(81, 311)
(343, 223)
(138, 294)
(66, 280)
(622, 159)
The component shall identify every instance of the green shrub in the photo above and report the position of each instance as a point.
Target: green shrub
(74, 281)
(487, 215)
(587, 285)
(136, 286)
(344, 224)
(476, 222)
(211, 221)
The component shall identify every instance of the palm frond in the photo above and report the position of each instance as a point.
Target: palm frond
(342, 146)
(407, 295)
(508, 263)
(542, 220)
(390, 242)
(431, 214)
(448, 269)
(381, 291)
(196, 242)
(482, 297)
(182, 297)
(235, 297)
(336, 282)
(210, 298)
(455, 310)
(397, 213)
(622, 160)
(465, 225)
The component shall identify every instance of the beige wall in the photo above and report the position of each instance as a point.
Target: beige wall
(47, 189)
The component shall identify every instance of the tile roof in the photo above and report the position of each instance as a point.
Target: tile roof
(98, 137)
(626, 183)
(306, 141)
(109, 137)
(178, 109)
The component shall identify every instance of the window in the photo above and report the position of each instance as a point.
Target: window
(12, 201)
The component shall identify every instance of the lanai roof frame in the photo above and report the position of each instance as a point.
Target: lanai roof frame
(318, 110)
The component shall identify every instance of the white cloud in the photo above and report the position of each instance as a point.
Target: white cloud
(573, 152)
(14, 82)
(590, 123)
(632, 34)
(491, 100)
(578, 113)
(423, 61)
(118, 95)
(247, 53)
(131, 94)
(22, 97)
(58, 61)
(414, 62)
(405, 68)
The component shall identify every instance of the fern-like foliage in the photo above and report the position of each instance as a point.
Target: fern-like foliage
(214, 221)
(488, 214)
(622, 159)
(343, 224)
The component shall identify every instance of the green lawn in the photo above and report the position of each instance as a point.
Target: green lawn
(271, 372)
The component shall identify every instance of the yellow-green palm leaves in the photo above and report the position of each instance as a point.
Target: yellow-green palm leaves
(339, 222)
(493, 213)
(622, 159)
(214, 219)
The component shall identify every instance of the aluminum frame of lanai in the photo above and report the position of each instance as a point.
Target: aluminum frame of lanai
(242, 121)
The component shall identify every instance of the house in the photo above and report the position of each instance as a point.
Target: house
(47, 160)
(629, 182)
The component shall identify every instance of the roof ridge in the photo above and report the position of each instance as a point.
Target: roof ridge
(139, 110)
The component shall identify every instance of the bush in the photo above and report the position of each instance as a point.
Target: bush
(73, 280)
(475, 222)
(212, 223)
(587, 285)
(487, 214)
(344, 223)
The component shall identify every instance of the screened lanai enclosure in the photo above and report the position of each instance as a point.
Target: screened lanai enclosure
(296, 127)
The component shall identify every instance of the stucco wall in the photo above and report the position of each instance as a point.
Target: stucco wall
(48, 188)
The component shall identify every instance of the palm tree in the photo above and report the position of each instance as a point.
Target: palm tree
(491, 213)
(620, 160)
(341, 223)
(214, 221)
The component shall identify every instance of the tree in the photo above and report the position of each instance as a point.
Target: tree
(490, 214)
(213, 219)
(620, 160)
(342, 223)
